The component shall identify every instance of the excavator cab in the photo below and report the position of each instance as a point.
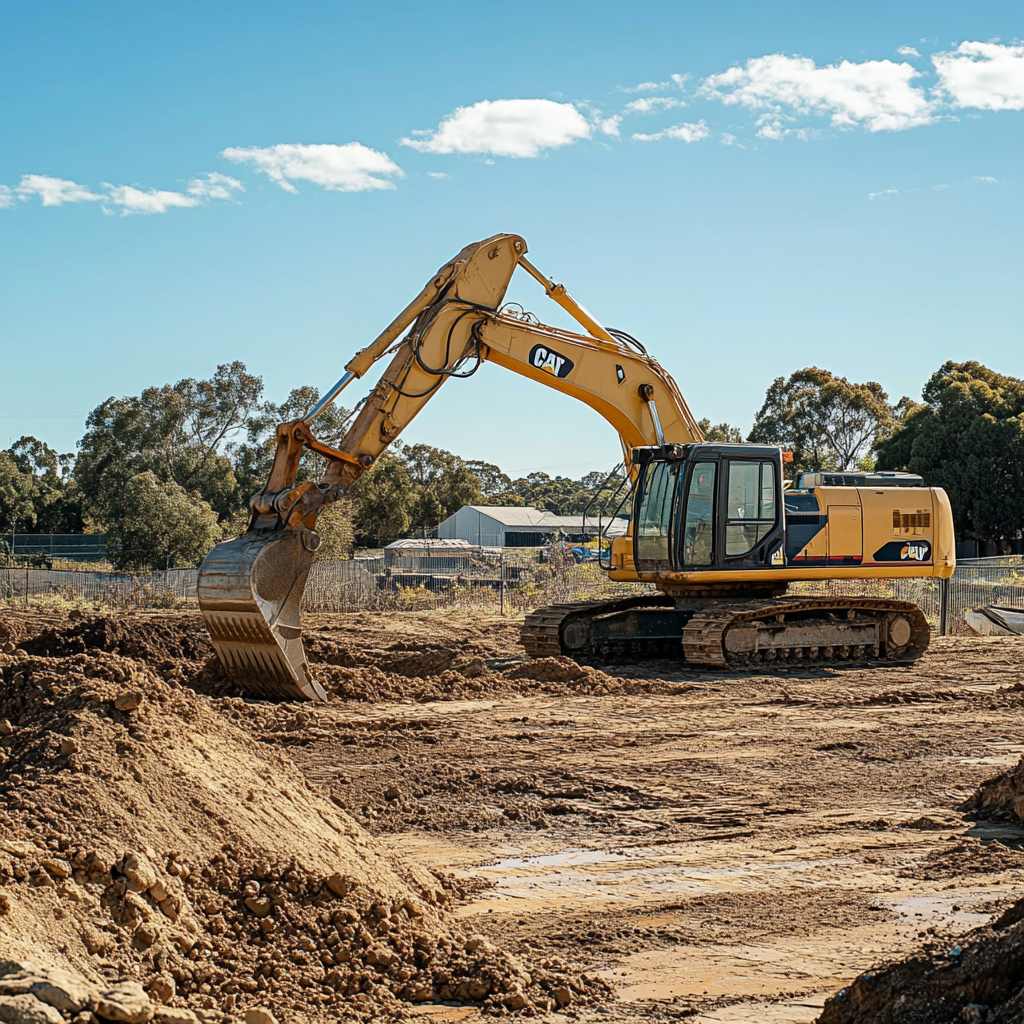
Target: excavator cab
(708, 507)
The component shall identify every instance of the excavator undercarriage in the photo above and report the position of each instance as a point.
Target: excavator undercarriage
(730, 633)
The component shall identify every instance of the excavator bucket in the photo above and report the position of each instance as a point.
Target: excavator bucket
(250, 594)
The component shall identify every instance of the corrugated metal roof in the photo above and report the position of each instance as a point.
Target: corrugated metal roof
(525, 515)
(511, 515)
(430, 542)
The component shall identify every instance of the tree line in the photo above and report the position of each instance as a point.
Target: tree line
(167, 473)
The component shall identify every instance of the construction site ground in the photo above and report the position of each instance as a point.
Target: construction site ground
(717, 846)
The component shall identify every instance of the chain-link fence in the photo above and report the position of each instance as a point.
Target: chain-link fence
(502, 581)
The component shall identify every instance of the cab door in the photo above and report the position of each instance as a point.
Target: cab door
(750, 526)
(655, 512)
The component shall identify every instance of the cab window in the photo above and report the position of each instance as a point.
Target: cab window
(750, 512)
(654, 521)
(698, 526)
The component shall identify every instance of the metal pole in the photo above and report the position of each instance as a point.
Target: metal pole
(26, 586)
(501, 585)
(943, 607)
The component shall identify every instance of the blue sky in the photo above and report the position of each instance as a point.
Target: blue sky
(839, 186)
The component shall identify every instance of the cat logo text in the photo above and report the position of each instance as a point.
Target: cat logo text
(914, 552)
(544, 358)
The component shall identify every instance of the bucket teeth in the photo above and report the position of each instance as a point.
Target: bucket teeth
(250, 594)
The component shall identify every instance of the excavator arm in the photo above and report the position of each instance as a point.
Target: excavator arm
(250, 589)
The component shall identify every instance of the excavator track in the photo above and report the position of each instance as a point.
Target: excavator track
(543, 630)
(731, 634)
(812, 630)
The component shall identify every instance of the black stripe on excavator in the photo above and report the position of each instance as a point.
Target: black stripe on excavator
(801, 529)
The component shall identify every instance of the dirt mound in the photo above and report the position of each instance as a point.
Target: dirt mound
(976, 980)
(144, 836)
(157, 639)
(1000, 798)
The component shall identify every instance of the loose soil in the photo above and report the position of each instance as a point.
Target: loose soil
(511, 833)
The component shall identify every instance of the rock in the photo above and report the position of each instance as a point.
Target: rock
(58, 868)
(63, 991)
(18, 982)
(141, 875)
(162, 988)
(340, 885)
(128, 701)
(145, 935)
(126, 1001)
(515, 1001)
(562, 996)
(27, 1010)
(6, 729)
(96, 941)
(174, 1015)
(392, 793)
(5, 904)
(171, 907)
(158, 891)
(258, 905)
(68, 745)
(259, 1015)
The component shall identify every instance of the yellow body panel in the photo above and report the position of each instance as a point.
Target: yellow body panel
(887, 532)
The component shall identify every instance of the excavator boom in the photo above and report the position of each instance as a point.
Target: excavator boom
(250, 589)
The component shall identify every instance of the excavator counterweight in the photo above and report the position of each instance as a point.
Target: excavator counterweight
(713, 526)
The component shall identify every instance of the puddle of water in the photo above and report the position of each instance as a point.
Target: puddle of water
(641, 872)
(561, 859)
(938, 907)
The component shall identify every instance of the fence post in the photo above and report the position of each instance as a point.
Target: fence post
(943, 607)
(26, 586)
(501, 584)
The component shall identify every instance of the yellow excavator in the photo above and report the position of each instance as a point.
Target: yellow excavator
(715, 527)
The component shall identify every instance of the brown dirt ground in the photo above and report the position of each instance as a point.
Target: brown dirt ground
(716, 846)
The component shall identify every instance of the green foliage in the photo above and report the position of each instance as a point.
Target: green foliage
(336, 530)
(17, 508)
(159, 525)
(36, 491)
(967, 437)
(720, 433)
(383, 497)
(828, 422)
(177, 432)
(254, 455)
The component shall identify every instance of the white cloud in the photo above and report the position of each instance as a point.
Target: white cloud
(677, 80)
(130, 199)
(692, 131)
(644, 87)
(609, 125)
(651, 104)
(986, 76)
(875, 94)
(885, 193)
(516, 128)
(986, 179)
(439, 175)
(53, 191)
(729, 139)
(775, 127)
(6, 197)
(214, 186)
(351, 167)
(908, 51)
